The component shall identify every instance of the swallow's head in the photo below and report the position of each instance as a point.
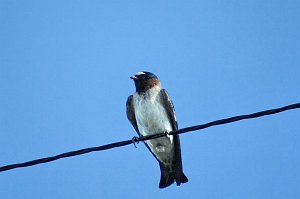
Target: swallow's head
(144, 81)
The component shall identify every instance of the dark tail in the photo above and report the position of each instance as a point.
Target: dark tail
(168, 177)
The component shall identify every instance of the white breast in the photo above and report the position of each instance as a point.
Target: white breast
(151, 116)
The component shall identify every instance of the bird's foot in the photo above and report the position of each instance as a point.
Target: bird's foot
(135, 140)
(167, 133)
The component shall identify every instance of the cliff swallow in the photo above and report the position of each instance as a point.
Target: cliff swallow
(150, 111)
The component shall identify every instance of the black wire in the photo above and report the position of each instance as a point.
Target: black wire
(149, 137)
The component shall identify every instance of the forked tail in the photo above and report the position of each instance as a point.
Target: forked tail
(168, 177)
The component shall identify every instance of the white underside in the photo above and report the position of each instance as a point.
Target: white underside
(152, 118)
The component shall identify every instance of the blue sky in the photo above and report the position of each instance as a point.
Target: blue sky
(64, 81)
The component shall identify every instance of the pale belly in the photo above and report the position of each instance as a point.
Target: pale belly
(151, 119)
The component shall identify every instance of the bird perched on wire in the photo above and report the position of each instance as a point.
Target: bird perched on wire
(150, 111)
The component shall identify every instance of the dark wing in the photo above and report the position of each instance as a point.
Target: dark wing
(130, 113)
(167, 103)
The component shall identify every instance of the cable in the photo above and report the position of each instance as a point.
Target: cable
(149, 137)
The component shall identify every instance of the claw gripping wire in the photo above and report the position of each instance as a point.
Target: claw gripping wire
(154, 136)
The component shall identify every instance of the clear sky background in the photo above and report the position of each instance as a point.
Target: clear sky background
(64, 81)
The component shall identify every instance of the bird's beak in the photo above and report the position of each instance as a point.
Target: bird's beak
(133, 77)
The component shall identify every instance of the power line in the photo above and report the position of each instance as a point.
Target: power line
(143, 138)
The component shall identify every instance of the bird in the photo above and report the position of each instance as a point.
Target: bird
(150, 111)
